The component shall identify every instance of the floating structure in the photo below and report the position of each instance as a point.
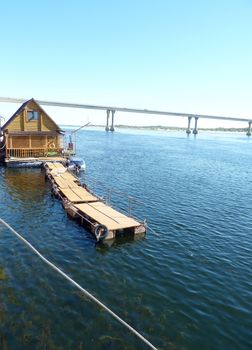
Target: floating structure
(31, 137)
(80, 203)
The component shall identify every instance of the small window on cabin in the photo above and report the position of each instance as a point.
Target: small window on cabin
(32, 115)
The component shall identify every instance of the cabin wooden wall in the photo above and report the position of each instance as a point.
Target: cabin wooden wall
(17, 124)
(18, 142)
(38, 142)
(21, 123)
(34, 141)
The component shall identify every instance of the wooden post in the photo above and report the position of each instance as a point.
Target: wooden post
(46, 145)
(24, 118)
(7, 146)
(40, 126)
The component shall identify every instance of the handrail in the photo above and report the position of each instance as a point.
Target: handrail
(25, 152)
(130, 199)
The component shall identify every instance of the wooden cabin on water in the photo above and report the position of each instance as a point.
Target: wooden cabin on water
(31, 133)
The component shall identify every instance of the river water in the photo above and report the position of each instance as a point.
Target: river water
(185, 285)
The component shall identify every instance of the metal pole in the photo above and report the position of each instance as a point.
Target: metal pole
(109, 196)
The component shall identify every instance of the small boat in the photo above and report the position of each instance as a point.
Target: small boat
(76, 164)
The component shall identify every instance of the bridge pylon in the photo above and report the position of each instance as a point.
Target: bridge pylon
(188, 130)
(195, 130)
(249, 128)
(107, 123)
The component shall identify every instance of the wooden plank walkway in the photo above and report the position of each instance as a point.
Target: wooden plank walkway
(90, 209)
(78, 195)
(105, 215)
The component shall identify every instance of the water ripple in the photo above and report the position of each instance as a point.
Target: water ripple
(187, 285)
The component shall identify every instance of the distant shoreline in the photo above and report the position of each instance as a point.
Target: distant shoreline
(162, 128)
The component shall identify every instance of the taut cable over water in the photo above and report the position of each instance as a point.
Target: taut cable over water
(83, 290)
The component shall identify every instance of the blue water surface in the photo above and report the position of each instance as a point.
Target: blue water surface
(185, 285)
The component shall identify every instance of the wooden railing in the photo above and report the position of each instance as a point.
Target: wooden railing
(32, 152)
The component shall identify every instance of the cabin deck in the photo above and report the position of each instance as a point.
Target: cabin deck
(80, 203)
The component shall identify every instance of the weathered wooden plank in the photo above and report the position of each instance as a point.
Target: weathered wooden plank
(70, 195)
(77, 195)
(68, 176)
(60, 182)
(59, 166)
(107, 216)
(50, 165)
(84, 194)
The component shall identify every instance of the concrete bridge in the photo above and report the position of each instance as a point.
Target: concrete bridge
(111, 110)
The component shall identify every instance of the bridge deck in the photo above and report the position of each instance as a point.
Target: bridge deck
(127, 110)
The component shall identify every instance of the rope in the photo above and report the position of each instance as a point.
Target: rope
(154, 232)
(54, 267)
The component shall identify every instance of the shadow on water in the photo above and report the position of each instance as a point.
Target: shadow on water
(105, 246)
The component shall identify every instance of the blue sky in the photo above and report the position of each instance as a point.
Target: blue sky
(189, 56)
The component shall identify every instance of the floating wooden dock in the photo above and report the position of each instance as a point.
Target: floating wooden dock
(80, 203)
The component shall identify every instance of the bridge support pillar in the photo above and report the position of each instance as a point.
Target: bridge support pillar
(188, 130)
(249, 128)
(112, 121)
(107, 124)
(195, 130)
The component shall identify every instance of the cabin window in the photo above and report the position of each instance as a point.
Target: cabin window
(32, 115)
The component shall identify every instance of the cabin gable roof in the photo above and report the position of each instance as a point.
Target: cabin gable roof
(33, 105)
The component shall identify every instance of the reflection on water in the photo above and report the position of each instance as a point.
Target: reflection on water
(20, 182)
(2, 274)
(184, 287)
